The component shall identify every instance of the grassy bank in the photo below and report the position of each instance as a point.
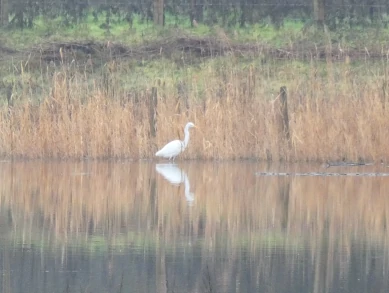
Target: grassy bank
(68, 103)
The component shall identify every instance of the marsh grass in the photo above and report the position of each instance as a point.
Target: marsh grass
(336, 111)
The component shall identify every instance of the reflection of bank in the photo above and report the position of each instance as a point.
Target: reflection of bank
(176, 176)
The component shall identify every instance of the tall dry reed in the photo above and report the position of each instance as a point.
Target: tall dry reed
(334, 113)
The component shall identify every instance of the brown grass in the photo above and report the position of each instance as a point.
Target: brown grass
(335, 113)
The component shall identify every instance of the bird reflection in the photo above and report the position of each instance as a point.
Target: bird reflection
(176, 176)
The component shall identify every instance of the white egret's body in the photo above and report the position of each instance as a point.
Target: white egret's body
(175, 147)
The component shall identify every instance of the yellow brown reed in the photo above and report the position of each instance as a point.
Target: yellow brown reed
(334, 117)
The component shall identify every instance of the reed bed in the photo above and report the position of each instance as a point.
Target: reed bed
(336, 111)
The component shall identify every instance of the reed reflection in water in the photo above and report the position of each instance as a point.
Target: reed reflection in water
(141, 227)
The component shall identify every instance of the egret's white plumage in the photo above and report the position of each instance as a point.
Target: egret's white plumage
(175, 147)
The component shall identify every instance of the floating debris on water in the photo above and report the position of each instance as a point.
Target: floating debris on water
(320, 174)
(346, 164)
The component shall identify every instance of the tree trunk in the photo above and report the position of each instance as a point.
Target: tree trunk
(242, 20)
(318, 12)
(199, 16)
(372, 11)
(3, 12)
(192, 13)
(158, 12)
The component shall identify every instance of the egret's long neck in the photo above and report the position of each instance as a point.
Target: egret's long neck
(186, 138)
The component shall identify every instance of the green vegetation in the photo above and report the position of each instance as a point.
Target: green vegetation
(292, 32)
(54, 30)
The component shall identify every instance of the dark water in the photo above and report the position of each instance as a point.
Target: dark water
(191, 227)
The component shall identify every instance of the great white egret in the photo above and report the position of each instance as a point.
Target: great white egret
(175, 147)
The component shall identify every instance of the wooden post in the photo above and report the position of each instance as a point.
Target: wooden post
(158, 12)
(251, 84)
(182, 97)
(284, 112)
(153, 111)
(384, 91)
(9, 96)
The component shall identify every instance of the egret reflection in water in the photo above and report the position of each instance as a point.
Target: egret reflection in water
(176, 176)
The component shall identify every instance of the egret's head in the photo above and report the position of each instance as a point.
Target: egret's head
(189, 125)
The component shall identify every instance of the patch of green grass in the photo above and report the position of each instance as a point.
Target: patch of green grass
(139, 30)
(267, 33)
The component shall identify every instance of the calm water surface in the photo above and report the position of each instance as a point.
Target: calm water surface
(191, 227)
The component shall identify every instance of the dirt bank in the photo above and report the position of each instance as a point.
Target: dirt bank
(189, 47)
